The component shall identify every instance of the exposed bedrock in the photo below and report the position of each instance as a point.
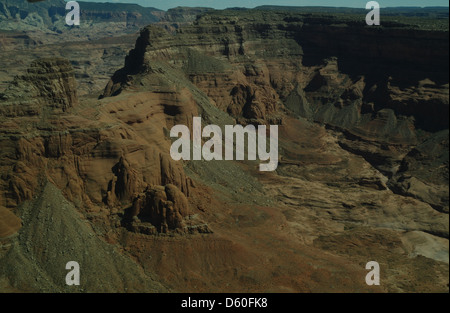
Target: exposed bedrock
(385, 89)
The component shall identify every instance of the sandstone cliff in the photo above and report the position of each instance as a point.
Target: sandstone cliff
(95, 164)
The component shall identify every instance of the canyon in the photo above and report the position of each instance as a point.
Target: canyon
(86, 173)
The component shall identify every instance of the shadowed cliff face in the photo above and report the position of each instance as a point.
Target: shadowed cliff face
(363, 171)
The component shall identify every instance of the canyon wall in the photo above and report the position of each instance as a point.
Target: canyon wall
(363, 173)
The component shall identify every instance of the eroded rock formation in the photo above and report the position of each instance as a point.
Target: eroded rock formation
(93, 162)
(381, 91)
(363, 170)
(164, 207)
(48, 85)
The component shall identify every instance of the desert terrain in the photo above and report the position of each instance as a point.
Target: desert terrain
(86, 173)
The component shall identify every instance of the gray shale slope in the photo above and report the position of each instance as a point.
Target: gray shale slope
(53, 234)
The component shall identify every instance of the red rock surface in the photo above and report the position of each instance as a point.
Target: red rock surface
(363, 173)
